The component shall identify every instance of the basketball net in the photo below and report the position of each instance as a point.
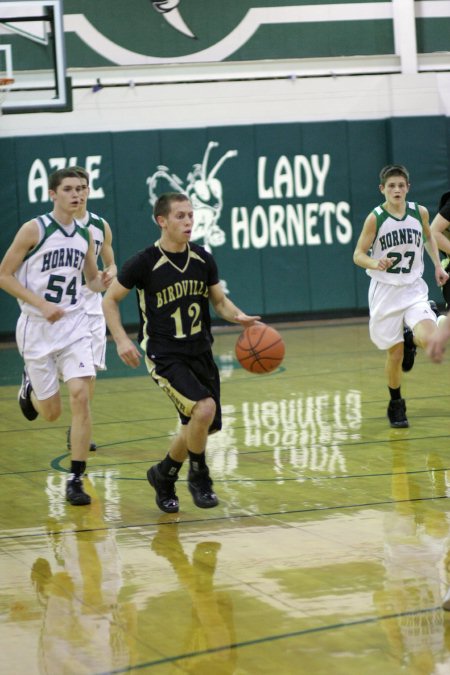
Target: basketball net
(5, 85)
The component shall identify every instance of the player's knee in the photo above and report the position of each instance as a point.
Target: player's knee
(395, 354)
(204, 411)
(79, 400)
(50, 411)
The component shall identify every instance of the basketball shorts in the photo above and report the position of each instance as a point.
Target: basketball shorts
(187, 380)
(97, 324)
(394, 307)
(53, 352)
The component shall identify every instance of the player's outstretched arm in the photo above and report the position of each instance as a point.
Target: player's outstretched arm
(126, 349)
(227, 310)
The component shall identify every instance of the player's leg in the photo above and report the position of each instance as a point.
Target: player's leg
(39, 392)
(206, 418)
(202, 416)
(386, 332)
(92, 445)
(97, 327)
(423, 332)
(393, 368)
(81, 426)
(182, 381)
(76, 368)
(421, 315)
(189, 442)
(50, 408)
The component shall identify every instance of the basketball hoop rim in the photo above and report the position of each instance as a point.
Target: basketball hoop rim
(6, 81)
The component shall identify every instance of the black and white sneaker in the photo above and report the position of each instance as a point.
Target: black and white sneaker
(397, 414)
(164, 486)
(409, 350)
(75, 493)
(24, 398)
(439, 317)
(201, 488)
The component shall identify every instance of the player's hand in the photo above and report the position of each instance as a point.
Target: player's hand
(246, 320)
(384, 263)
(52, 312)
(107, 278)
(436, 348)
(437, 342)
(441, 275)
(129, 353)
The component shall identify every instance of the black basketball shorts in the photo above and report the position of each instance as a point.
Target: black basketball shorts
(187, 379)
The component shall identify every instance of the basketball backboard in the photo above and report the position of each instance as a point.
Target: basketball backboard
(32, 52)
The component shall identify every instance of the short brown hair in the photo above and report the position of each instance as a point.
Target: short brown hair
(163, 204)
(57, 177)
(393, 170)
(82, 173)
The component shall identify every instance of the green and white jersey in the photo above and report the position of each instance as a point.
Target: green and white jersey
(402, 240)
(53, 268)
(92, 222)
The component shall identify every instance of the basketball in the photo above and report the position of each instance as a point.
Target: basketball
(260, 349)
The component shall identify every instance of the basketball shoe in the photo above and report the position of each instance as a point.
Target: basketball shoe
(201, 488)
(164, 486)
(397, 414)
(409, 350)
(75, 493)
(440, 317)
(24, 398)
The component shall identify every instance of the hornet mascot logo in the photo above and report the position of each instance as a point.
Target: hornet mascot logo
(204, 190)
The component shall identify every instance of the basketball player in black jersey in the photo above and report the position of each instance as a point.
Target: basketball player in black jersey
(440, 227)
(175, 281)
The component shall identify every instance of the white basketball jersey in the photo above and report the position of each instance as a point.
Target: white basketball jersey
(93, 301)
(402, 240)
(53, 268)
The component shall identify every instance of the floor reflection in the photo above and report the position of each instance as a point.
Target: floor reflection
(416, 557)
(210, 632)
(86, 627)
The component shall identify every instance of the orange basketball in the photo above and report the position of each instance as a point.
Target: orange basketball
(260, 348)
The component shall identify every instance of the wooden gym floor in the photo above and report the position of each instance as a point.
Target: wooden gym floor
(327, 554)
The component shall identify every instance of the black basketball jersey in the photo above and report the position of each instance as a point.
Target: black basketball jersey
(173, 298)
(444, 206)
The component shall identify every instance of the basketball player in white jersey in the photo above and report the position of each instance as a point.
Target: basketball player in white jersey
(102, 238)
(397, 231)
(43, 269)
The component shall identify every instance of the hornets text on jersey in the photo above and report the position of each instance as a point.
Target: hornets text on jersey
(402, 240)
(53, 268)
